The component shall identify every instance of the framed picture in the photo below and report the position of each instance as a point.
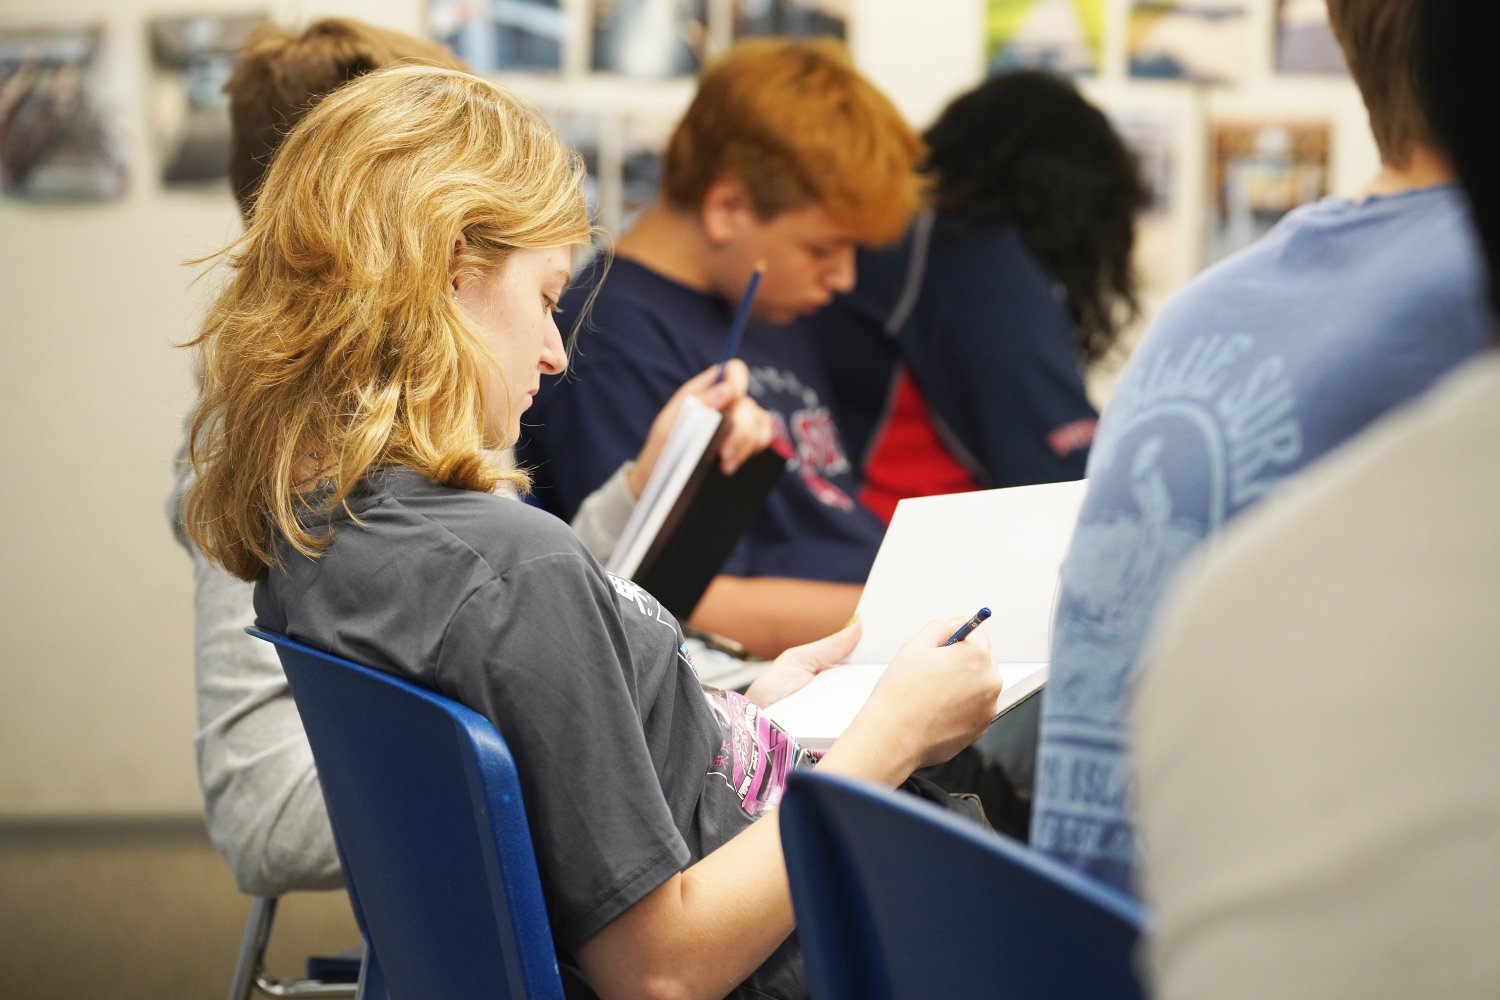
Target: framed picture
(790, 18)
(1304, 41)
(60, 134)
(1064, 36)
(1259, 171)
(1202, 41)
(651, 39)
(494, 35)
(191, 58)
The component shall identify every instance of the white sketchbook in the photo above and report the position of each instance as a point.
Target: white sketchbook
(947, 557)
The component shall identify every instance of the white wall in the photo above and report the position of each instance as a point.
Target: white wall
(96, 705)
(96, 711)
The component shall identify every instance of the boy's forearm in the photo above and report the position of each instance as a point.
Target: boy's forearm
(768, 614)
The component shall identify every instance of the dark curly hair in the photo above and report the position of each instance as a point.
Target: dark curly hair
(1025, 148)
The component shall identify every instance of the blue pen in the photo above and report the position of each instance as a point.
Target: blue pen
(968, 626)
(741, 317)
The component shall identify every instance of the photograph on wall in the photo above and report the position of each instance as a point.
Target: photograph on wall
(1260, 171)
(1152, 135)
(191, 58)
(61, 132)
(501, 35)
(582, 130)
(790, 18)
(1304, 41)
(1064, 36)
(649, 39)
(1200, 41)
(643, 140)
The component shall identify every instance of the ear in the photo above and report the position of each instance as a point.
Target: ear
(727, 210)
(459, 246)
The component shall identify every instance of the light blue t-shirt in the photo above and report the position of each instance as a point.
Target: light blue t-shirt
(1259, 367)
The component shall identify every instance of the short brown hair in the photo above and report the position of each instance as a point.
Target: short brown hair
(279, 77)
(1379, 39)
(798, 126)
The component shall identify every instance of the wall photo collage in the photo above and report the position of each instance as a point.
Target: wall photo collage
(613, 76)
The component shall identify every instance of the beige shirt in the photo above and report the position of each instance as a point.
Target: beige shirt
(1317, 737)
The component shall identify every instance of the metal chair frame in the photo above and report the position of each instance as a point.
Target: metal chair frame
(250, 974)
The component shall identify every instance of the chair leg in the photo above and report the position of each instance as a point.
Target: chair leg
(252, 955)
(250, 974)
(371, 982)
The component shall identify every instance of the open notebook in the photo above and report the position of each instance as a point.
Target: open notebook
(946, 557)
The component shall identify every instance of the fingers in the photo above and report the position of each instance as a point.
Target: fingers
(823, 653)
(716, 393)
(937, 632)
(947, 693)
(750, 430)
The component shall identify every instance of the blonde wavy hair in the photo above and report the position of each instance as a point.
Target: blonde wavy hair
(337, 345)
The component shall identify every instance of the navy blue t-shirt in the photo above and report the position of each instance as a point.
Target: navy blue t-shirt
(986, 336)
(644, 337)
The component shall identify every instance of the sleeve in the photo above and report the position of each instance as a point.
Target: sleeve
(601, 517)
(543, 653)
(587, 424)
(991, 351)
(262, 803)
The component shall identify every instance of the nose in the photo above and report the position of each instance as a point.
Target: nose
(554, 357)
(840, 276)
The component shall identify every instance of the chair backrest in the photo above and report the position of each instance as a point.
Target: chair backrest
(897, 899)
(426, 809)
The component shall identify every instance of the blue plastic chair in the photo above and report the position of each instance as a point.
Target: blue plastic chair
(897, 899)
(427, 813)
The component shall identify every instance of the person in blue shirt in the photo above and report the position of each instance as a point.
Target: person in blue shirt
(958, 360)
(1260, 367)
(787, 157)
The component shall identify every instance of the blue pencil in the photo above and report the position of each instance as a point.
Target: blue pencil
(741, 317)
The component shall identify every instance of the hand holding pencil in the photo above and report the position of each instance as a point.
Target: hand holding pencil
(724, 387)
(741, 317)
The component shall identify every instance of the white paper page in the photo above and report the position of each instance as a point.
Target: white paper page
(820, 712)
(691, 433)
(948, 556)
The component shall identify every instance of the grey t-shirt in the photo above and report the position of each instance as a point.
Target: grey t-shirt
(630, 769)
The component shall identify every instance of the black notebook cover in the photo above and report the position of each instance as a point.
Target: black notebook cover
(708, 520)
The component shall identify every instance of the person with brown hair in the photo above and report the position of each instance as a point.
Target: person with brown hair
(262, 804)
(384, 326)
(1260, 367)
(785, 158)
(279, 76)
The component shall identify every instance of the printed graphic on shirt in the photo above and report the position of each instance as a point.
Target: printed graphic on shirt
(807, 432)
(1203, 432)
(756, 756)
(1071, 437)
(632, 594)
